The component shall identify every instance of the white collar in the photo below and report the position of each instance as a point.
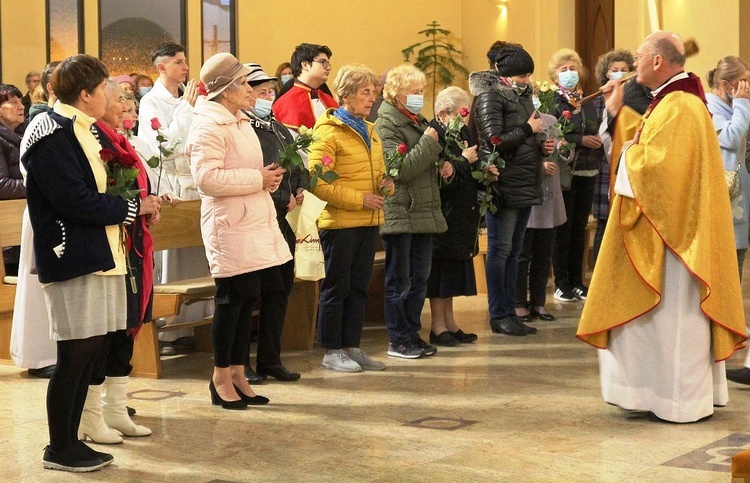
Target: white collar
(681, 75)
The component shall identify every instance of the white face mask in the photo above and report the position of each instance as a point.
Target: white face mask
(568, 79)
(286, 78)
(414, 103)
(262, 107)
(616, 75)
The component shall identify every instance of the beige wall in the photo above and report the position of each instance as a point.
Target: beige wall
(714, 24)
(374, 33)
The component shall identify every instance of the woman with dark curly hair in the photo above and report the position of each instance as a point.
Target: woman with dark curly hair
(611, 66)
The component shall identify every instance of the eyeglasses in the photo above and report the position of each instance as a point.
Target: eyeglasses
(639, 57)
(324, 62)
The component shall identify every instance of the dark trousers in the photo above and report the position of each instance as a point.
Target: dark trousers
(67, 389)
(533, 266)
(274, 298)
(114, 358)
(505, 232)
(349, 255)
(570, 237)
(408, 260)
(230, 328)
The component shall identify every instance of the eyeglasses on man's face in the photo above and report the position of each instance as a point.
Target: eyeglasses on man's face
(324, 62)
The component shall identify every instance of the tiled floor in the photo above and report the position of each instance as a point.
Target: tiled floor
(502, 409)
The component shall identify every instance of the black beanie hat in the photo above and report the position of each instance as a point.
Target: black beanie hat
(510, 59)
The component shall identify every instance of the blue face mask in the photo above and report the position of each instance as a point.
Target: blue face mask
(616, 75)
(286, 78)
(143, 90)
(414, 103)
(537, 103)
(262, 108)
(568, 79)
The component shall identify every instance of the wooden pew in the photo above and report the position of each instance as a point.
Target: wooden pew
(180, 228)
(11, 219)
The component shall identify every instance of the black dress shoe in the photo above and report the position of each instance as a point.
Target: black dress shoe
(741, 375)
(43, 372)
(279, 372)
(507, 326)
(444, 339)
(252, 377)
(528, 329)
(463, 337)
(216, 400)
(525, 318)
(252, 401)
(547, 317)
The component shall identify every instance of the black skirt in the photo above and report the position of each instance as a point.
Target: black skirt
(451, 278)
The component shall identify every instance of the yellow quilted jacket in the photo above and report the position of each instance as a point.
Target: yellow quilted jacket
(360, 170)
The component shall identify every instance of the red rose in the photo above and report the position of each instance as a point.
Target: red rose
(402, 148)
(567, 115)
(327, 160)
(464, 112)
(107, 155)
(127, 124)
(155, 124)
(495, 140)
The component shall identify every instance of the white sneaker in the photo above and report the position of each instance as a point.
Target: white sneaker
(364, 361)
(338, 360)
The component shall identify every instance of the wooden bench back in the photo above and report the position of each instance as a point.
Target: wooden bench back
(180, 226)
(11, 220)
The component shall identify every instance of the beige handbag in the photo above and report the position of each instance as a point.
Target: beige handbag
(733, 181)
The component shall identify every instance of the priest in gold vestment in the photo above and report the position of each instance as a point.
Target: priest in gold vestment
(665, 304)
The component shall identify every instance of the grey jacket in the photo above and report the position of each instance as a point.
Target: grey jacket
(415, 206)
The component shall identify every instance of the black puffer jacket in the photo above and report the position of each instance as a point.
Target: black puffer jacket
(11, 181)
(499, 111)
(458, 201)
(583, 122)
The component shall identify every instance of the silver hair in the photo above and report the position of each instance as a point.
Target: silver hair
(450, 98)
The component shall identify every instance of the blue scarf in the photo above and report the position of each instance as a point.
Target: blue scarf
(355, 123)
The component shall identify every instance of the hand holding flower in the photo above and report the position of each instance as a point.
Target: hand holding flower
(150, 205)
(494, 172)
(548, 146)
(446, 170)
(372, 201)
(272, 175)
(470, 154)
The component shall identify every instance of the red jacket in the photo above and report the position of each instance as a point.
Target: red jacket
(295, 109)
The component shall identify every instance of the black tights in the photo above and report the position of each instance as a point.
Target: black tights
(67, 389)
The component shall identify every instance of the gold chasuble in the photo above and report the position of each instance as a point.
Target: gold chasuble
(627, 123)
(680, 204)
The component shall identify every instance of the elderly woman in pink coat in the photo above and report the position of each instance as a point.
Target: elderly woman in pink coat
(243, 243)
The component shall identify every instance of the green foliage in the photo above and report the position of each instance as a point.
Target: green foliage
(434, 56)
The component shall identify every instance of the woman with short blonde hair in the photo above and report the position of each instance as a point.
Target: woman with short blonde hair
(400, 79)
(412, 214)
(566, 71)
(347, 144)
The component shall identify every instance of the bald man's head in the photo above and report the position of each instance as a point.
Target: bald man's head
(669, 45)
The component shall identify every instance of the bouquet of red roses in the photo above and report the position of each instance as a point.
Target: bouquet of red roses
(122, 170)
